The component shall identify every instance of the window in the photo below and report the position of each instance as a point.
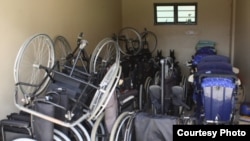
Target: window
(175, 13)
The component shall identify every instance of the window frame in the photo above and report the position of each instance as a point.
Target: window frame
(175, 13)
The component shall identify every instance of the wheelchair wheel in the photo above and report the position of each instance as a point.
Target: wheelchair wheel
(145, 97)
(107, 88)
(83, 132)
(104, 55)
(62, 50)
(129, 40)
(36, 52)
(75, 134)
(120, 126)
(130, 134)
(88, 125)
(61, 135)
(141, 92)
(99, 132)
(148, 82)
(149, 41)
(58, 136)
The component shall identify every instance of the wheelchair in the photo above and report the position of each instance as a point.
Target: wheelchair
(216, 88)
(215, 85)
(167, 107)
(57, 103)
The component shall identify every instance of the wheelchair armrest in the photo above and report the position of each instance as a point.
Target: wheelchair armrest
(127, 96)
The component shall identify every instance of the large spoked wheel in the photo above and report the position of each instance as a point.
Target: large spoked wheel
(107, 89)
(129, 40)
(99, 131)
(130, 134)
(149, 41)
(62, 50)
(36, 54)
(118, 132)
(105, 54)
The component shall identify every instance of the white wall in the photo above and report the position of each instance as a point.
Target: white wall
(214, 21)
(242, 43)
(24, 18)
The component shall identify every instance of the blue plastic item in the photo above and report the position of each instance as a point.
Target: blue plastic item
(218, 98)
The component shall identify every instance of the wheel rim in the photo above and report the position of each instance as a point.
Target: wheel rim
(105, 54)
(107, 87)
(62, 50)
(37, 50)
(129, 41)
(99, 132)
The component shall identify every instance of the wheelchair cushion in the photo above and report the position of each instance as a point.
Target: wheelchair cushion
(155, 96)
(215, 68)
(215, 58)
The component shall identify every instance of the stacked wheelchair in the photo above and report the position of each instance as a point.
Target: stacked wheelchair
(216, 86)
(63, 94)
(118, 93)
(213, 86)
(58, 100)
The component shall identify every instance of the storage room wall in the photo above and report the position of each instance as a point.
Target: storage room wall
(214, 23)
(22, 19)
(242, 43)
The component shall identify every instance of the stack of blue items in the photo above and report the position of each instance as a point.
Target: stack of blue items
(203, 48)
(215, 88)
